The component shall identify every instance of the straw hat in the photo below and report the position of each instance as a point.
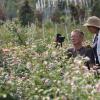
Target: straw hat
(93, 21)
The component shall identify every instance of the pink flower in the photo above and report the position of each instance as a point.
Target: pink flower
(5, 50)
(98, 87)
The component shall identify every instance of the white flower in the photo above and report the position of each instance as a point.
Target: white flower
(87, 74)
(86, 58)
(74, 87)
(36, 89)
(45, 62)
(98, 87)
(88, 87)
(46, 98)
(47, 82)
(34, 46)
(46, 54)
(78, 61)
(53, 54)
(9, 82)
(85, 69)
(29, 65)
(77, 71)
(51, 65)
(4, 95)
(58, 82)
(54, 81)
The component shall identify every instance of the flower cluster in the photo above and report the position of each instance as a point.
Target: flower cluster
(27, 74)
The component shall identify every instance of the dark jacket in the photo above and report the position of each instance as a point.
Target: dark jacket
(85, 52)
(94, 46)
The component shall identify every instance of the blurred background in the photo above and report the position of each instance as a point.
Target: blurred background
(45, 18)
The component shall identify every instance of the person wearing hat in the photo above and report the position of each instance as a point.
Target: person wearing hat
(93, 25)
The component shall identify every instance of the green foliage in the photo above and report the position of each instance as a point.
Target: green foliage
(11, 8)
(39, 71)
(41, 47)
(62, 5)
(11, 31)
(57, 16)
(48, 25)
(38, 16)
(7, 97)
(51, 75)
(96, 8)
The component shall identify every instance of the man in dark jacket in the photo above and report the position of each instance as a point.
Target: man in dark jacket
(77, 38)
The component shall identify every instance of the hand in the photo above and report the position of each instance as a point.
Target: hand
(95, 67)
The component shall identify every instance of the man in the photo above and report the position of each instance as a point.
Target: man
(77, 38)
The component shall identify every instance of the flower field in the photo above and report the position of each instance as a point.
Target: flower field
(33, 69)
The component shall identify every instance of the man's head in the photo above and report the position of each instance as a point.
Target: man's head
(77, 37)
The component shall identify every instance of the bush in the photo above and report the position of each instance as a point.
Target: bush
(30, 75)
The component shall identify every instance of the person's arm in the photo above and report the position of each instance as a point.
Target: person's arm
(69, 52)
(98, 47)
(92, 57)
(89, 53)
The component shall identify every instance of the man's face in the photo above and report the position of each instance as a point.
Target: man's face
(76, 38)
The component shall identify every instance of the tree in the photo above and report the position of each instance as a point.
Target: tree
(61, 5)
(58, 16)
(38, 16)
(96, 8)
(26, 14)
(2, 14)
(74, 11)
(10, 8)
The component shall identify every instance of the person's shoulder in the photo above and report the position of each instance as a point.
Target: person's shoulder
(69, 52)
(88, 49)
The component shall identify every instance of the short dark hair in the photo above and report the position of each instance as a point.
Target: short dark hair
(78, 31)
